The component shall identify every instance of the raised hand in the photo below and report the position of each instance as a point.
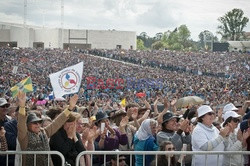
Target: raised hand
(225, 131)
(134, 114)
(103, 134)
(246, 134)
(72, 101)
(21, 99)
(124, 121)
(148, 106)
(166, 104)
(92, 134)
(2, 131)
(173, 102)
(112, 131)
(184, 125)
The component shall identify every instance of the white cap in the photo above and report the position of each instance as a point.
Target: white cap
(230, 114)
(3, 102)
(229, 107)
(202, 110)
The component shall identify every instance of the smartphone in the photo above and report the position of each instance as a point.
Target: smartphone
(102, 127)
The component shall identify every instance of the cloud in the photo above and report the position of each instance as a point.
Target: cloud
(162, 14)
(151, 16)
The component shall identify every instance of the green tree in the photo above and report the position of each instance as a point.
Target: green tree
(184, 35)
(140, 44)
(232, 25)
(143, 35)
(146, 39)
(158, 36)
(158, 45)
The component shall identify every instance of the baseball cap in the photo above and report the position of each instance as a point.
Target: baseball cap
(168, 116)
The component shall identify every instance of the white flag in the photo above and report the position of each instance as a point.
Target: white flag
(199, 72)
(67, 81)
(227, 68)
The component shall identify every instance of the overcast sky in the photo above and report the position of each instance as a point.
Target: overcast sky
(150, 16)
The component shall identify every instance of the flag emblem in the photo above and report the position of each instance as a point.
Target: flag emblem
(24, 86)
(69, 79)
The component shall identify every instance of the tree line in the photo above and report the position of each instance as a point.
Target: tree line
(231, 27)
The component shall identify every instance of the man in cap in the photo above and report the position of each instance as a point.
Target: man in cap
(4, 105)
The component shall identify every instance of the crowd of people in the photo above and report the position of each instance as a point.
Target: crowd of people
(95, 119)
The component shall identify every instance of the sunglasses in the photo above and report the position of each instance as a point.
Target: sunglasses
(4, 106)
(38, 122)
(210, 113)
(235, 120)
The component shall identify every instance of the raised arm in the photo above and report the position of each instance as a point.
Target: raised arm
(62, 117)
(21, 125)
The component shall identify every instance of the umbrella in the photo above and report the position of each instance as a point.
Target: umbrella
(140, 94)
(41, 102)
(189, 100)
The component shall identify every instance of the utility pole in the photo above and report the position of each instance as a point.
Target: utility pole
(62, 24)
(211, 40)
(24, 12)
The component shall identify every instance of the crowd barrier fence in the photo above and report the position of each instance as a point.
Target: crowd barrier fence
(7, 153)
(129, 153)
(156, 153)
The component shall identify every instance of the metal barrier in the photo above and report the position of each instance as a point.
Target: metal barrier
(34, 153)
(156, 153)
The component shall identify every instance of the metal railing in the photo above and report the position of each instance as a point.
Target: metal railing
(128, 153)
(35, 153)
(156, 153)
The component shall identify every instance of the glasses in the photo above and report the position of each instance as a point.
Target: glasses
(210, 113)
(235, 120)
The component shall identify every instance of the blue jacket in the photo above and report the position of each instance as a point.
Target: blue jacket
(11, 137)
(149, 144)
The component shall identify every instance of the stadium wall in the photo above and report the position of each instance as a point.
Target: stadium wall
(54, 38)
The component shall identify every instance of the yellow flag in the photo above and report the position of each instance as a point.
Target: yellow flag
(123, 102)
(25, 86)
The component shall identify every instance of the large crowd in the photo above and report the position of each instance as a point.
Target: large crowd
(96, 119)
